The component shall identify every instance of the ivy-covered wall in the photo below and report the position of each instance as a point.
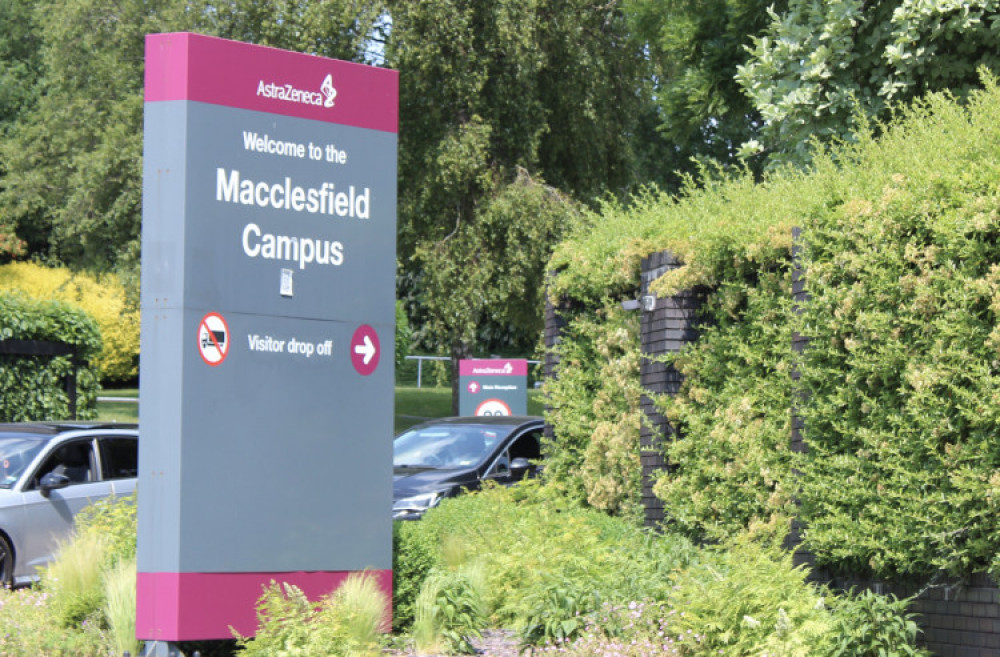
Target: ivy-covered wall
(956, 612)
(896, 390)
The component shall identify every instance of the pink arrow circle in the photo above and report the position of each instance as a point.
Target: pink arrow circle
(365, 350)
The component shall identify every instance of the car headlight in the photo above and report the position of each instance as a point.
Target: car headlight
(416, 505)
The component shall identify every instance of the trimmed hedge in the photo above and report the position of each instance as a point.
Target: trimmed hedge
(33, 388)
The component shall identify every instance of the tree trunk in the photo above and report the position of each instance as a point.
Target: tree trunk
(459, 351)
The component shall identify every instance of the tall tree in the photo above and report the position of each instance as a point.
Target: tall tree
(487, 89)
(19, 69)
(19, 58)
(824, 64)
(485, 282)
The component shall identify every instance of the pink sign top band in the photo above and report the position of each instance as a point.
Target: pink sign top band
(493, 367)
(186, 66)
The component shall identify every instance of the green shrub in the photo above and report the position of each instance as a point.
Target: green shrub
(33, 388)
(84, 603)
(902, 368)
(361, 607)
(28, 629)
(415, 553)
(730, 454)
(636, 629)
(450, 611)
(898, 384)
(747, 599)
(75, 580)
(527, 538)
(594, 407)
(580, 582)
(113, 519)
(347, 623)
(872, 625)
(553, 611)
(119, 607)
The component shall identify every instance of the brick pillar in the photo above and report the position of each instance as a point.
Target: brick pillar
(666, 325)
(554, 324)
(799, 297)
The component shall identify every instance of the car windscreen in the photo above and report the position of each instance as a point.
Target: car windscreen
(16, 454)
(446, 446)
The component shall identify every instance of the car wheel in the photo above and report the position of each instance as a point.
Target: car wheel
(6, 564)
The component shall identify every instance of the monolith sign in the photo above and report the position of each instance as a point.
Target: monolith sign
(266, 380)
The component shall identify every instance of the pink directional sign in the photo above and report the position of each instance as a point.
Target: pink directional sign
(495, 386)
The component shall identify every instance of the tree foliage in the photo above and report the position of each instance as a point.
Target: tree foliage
(73, 180)
(19, 54)
(490, 272)
(484, 283)
(821, 67)
(694, 49)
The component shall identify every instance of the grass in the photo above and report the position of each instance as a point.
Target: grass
(413, 405)
(114, 411)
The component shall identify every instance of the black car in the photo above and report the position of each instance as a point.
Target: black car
(443, 457)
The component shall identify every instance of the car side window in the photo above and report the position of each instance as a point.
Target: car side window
(527, 447)
(74, 461)
(502, 466)
(119, 457)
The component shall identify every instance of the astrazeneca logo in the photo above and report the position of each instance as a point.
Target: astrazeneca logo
(286, 92)
(506, 369)
(328, 90)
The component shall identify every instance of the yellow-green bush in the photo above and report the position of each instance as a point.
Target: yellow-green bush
(103, 298)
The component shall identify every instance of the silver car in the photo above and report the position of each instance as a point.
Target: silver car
(49, 471)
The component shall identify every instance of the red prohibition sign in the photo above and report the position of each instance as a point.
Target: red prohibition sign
(213, 339)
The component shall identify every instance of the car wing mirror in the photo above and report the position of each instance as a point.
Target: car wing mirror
(51, 482)
(519, 466)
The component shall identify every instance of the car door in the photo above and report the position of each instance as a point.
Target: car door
(48, 519)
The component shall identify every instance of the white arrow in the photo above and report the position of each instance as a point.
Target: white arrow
(367, 349)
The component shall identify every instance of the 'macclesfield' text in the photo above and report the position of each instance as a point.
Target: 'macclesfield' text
(231, 188)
